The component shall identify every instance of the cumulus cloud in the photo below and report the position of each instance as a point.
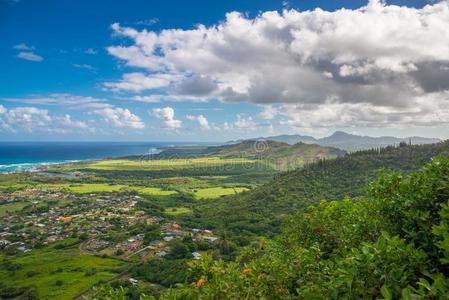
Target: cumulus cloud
(371, 63)
(268, 112)
(202, 121)
(35, 119)
(30, 56)
(167, 114)
(245, 123)
(120, 118)
(137, 82)
(114, 116)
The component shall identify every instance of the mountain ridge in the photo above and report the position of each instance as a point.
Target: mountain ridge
(347, 141)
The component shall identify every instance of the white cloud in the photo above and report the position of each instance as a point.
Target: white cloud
(120, 118)
(167, 114)
(269, 112)
(23, 46)
(30, 56)
(374, 59)
(69, 122)
(137, 82)
(64, 100)
(148, 22)
(431, 110)
(245, 123)
(202, 121)
(90, 51)
(84, 66)
(32, 119)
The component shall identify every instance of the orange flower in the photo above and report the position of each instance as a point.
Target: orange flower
(200, 282)
(247, 270)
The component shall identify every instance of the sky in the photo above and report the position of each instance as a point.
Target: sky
(181, 70)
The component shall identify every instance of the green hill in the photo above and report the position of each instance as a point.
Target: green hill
(391, 244)
(281, 155)
(262, 210)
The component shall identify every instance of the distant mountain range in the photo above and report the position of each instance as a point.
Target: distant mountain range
(348, 142)
(279, 154)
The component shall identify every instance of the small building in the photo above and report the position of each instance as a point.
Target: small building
(65, 219)
(210, 238)
(196, 255)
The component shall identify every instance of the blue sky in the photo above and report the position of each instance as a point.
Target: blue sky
(220, 70)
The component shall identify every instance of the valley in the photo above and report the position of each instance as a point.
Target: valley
(141, 224)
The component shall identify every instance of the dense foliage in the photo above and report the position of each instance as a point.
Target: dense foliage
(262, 210)
(391, 244)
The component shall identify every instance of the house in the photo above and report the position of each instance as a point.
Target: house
(175, 226)
(210, 238)
(52, 238)
(65, 219)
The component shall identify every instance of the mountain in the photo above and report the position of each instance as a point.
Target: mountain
(349, 142)
(285, 138)
(353, 142)
(283, 155)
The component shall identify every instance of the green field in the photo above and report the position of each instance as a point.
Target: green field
(159, 165)
(215, 192)
(86, 188)
(175, 211)
(66, 265)
(12, 207)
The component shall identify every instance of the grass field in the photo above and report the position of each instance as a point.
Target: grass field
(86, 188)
(178, 211)
(158, 165)
(66, 265)
(215, 192)
(12, 207)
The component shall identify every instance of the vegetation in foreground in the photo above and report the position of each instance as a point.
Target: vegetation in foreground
(54, 272)
(391, 244)
(122, 222)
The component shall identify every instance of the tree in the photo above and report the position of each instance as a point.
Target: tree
(178, 250)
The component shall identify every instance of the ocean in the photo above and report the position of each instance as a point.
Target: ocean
(18, 156)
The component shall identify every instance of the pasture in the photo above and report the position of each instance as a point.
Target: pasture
(87, 188)
(176, 211)
(58, 274)
(12, 207)
(161, 165)
(216, 192)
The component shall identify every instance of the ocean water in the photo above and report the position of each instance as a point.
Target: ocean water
(17, 156)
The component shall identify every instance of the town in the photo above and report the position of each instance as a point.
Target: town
(107, 224)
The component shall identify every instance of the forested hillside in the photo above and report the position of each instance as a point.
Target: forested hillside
(277, 154)
(261, 210)
(391, 244)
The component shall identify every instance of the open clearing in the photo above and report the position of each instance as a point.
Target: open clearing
(12, 207)
(86, 188)
(215, 192)
(51, 265)
(159, 165)
(175, 211)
